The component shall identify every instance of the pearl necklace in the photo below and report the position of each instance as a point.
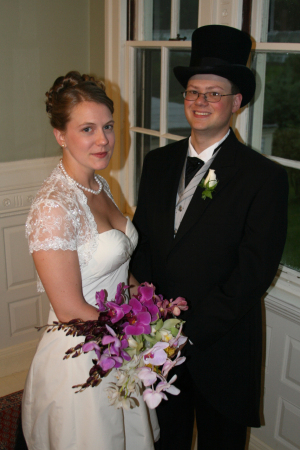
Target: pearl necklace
(97, 179)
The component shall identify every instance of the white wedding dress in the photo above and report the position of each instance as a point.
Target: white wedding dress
(53, 416)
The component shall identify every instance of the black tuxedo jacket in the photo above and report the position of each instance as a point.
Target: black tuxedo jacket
(223, 259)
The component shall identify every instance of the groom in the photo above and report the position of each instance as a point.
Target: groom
(221, 252)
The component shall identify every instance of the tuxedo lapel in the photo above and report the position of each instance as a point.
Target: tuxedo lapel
(225, 168)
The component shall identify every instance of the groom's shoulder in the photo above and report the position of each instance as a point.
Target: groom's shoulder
(162, 154)
(254, 160)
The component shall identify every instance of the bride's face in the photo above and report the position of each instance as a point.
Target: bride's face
(89, 137)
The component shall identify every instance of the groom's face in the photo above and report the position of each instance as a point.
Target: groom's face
(211, 118)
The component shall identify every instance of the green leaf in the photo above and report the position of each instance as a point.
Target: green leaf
(159, 324)
(168, 324)
(158, 336)
(138, 338)
(174, 331)
(150, 339)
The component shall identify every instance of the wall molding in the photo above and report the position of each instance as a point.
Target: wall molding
(27, 174)
(256, 444)
(285, 305)
(20, 181)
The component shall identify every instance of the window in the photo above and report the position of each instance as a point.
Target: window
(275, 113)
(159, 38)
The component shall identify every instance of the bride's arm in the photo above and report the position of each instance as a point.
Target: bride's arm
(134, 284)
(60, 275)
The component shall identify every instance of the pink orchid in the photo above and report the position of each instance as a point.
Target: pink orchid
(178, 305)
(156, 355)
(173, 306)
(163, 306)
(167, 386)
(147, 376)
(153, 398)
(169, 364)
(178, 340)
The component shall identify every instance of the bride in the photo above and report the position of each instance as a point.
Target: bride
(81, 243)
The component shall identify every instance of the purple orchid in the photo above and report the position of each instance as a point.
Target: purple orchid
(123, 353)
(119, 297)
(100, 299)
(117, 346)
(152, 309)
(117, 312)
(156, 355)
(107, 362)
(113, 340)
(138, 320)
(92, 345)
(146, 292)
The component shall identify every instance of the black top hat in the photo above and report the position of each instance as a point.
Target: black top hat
(224, 51)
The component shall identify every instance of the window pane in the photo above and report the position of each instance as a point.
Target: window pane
(281, 119)
(177, 123)
(291, 254)
(170, 141)
(281, 132)
(143, 145)
(188, 21)
(284, 21)
(161, 20)
(147, 82)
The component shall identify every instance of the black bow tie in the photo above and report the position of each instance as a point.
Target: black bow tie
(193, 165)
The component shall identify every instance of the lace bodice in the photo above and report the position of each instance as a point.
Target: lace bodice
(60, 218)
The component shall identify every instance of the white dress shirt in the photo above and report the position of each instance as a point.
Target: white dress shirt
(185, 194)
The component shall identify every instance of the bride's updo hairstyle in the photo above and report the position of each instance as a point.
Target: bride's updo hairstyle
(69, 91)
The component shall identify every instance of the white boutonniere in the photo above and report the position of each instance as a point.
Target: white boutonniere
(209, 184)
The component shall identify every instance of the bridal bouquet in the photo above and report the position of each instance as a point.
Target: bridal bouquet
(138, 336)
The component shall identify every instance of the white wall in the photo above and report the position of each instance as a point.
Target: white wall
(39, 40)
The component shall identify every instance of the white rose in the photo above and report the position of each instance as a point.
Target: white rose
(211, 179)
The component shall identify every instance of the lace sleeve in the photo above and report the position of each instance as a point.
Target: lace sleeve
(50, 225)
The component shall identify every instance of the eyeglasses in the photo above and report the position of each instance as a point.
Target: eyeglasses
(211, 97)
